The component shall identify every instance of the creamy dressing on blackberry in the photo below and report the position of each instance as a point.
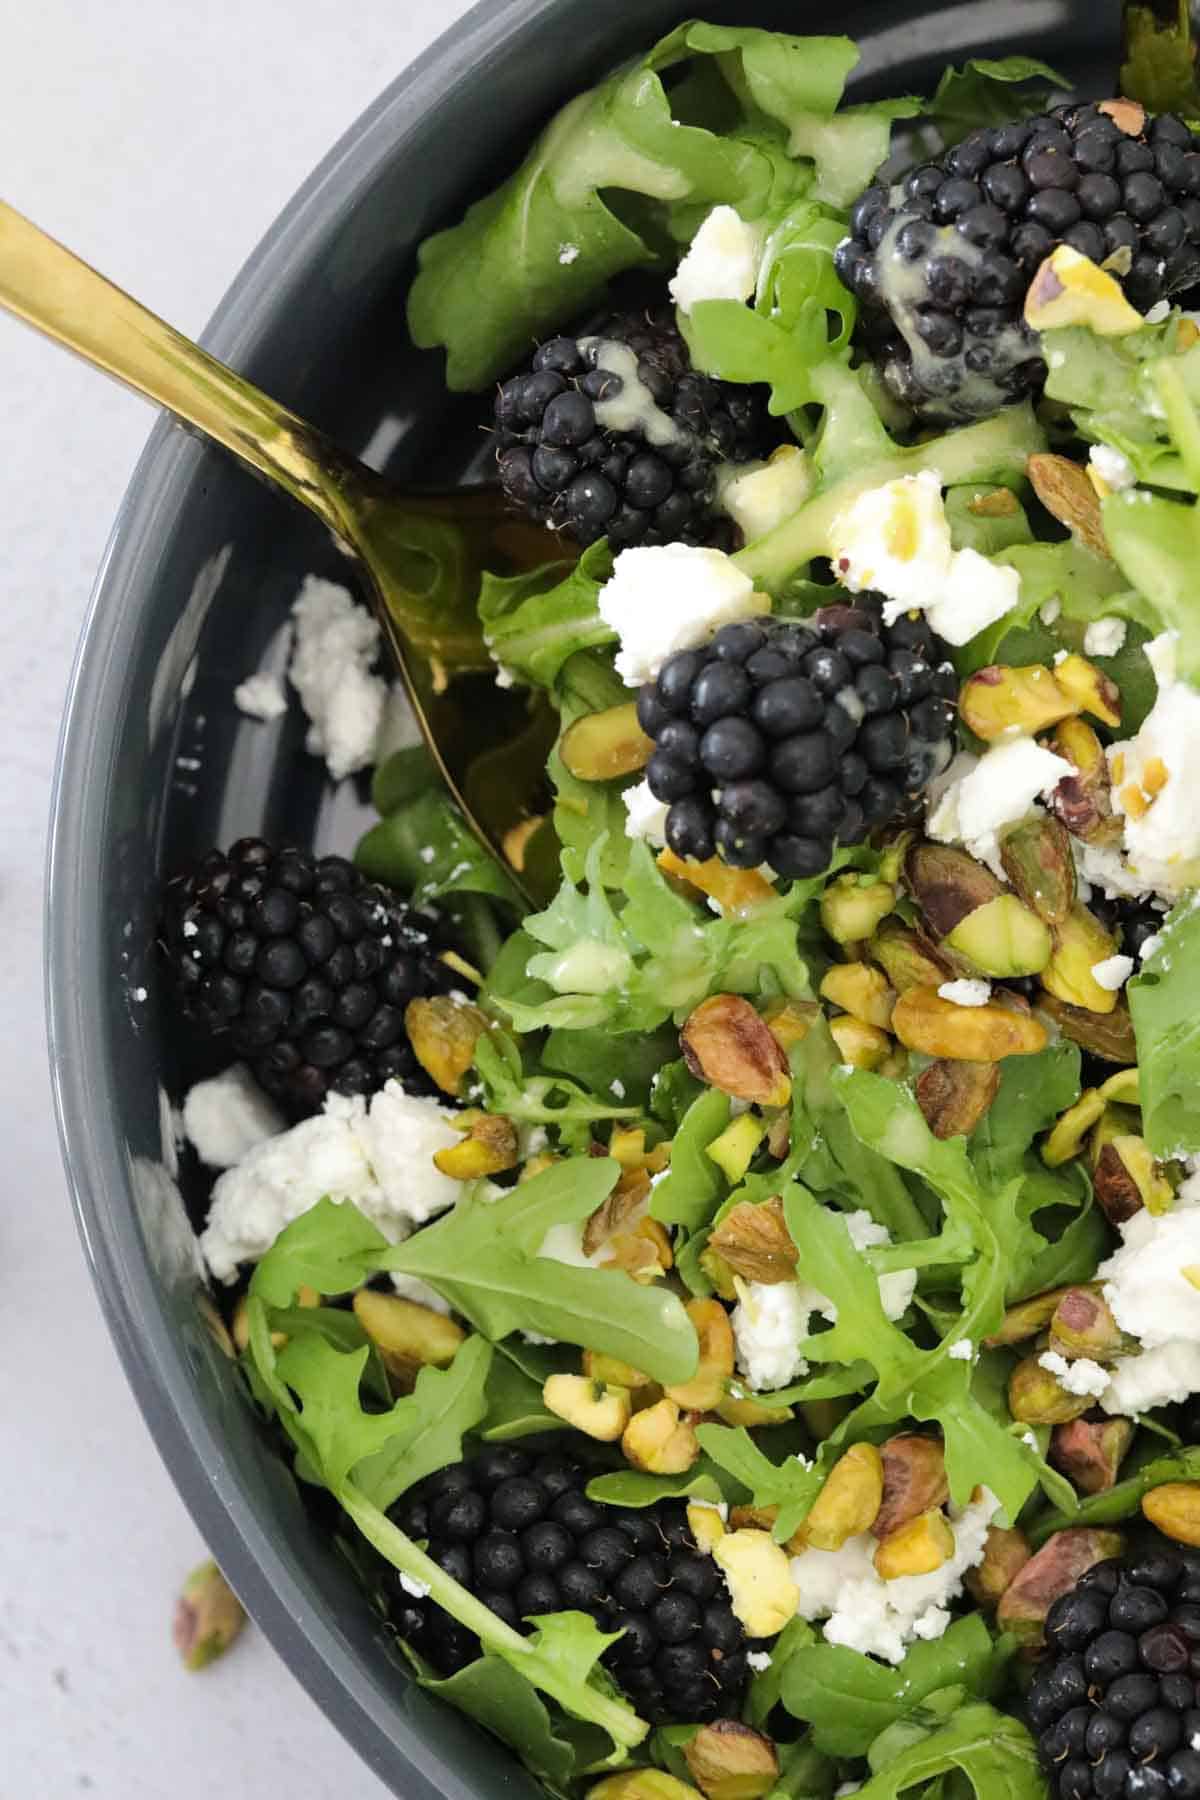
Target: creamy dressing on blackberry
(634, 408)
(904, 289)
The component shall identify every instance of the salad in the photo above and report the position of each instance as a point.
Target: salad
(743, 1314)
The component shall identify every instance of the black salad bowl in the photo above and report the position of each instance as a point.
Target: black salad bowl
(156, 763)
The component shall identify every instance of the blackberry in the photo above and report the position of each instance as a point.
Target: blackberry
(1115, 1705)
(612, 433)
(782, 738)
(942, 263)
(518, 1529)
(304, 967)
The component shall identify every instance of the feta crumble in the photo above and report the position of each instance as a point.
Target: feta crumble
(337, 644)
(759, 1660)
(380, 1157)
(1153, 1301)
(881, 1618)
(1156, 783)
(671, 597)
(1082, 1376)
(411, 1287)
(721, 262)
(772, 1319)
(961, 1351)
(1112, 466)
(411, 1585)
(987, 793)
(1104, 637)
(1112, 972)
(227, 1117)
(895, 539)
(645, 817)
(966, 992)
(261, 696)
(567, 254)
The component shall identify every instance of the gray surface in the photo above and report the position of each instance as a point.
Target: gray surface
(159, 140)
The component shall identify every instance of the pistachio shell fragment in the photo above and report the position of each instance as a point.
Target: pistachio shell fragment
(1108, 1036)
(914, 1480)
(443, 1033)
(754, 1242)
(1061, 485)
(905, 957)
(726, 1044)
(1090, 1452)
(1054, 1570)
(1071, 1127)
(1005, 1553)
(1083, 1325)
(208, 1617)
(731, 1761)
(408, 1336)
(948, 885)
(998, 700)
(1080, 942)
(1035, 1397)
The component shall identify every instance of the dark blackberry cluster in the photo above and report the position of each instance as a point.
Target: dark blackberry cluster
(781, 738)
(304, 967)
(1115, 1705)
(641, 473)
(519, 1531)
(941, 265)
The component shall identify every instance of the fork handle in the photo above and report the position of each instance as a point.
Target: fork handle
(60, 295)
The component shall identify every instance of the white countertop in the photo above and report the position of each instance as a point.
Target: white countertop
(158, 139)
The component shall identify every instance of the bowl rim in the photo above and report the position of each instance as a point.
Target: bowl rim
(81, 1078)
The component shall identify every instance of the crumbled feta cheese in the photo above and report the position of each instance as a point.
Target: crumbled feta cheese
(1048, 613)
(229, 1116)
(721, 262)
(961, 1351)
(1156, 788)
(616, 1088)
(966, 992)
(671, 597)
(895, 539)
(1104, 637)
(769, 1322)
(759, 1660)
(1161, 1377)
(877, 1617)
(998, 789)
(1158, 312)
(380, 1157)
(1083, 1376)
(1153, 1301)
(1113, 467)
(1112, 972)
(646, 817)
(337, 643)
(760, 496)
(771, 1319)
(261, 697)
(410, 1584)
(535, 1337)
(564, 1243)
(567, 254)
(1160, 653)
(1102, 866)
(1150, 946)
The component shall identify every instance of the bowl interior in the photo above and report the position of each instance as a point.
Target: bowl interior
(157, 764)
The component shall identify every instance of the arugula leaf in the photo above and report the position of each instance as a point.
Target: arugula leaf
(483, 1258)
(766, 1685)
(657, 956)
(332, 1248)
(393, 852)
(854, 453)
(493, 1693)
(792, 1485)
(622, 1068)
(1033, 1091)
(988, 533)
(848, 1698)
(539, 1099)
(690, 1192)
(630, 1487)
(982, 93)
(1122, 1501)
(387, 1452)
(991, 1749)
(1159, 56)
(514, 1403)
(804, 1774)
(782, 338)
(541, 248)
(532, 623)
(980, 1231)
(1166, 1023)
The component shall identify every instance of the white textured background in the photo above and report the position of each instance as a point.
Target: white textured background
(159, 139)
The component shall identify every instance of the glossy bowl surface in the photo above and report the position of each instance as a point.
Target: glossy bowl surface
(156, 763)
